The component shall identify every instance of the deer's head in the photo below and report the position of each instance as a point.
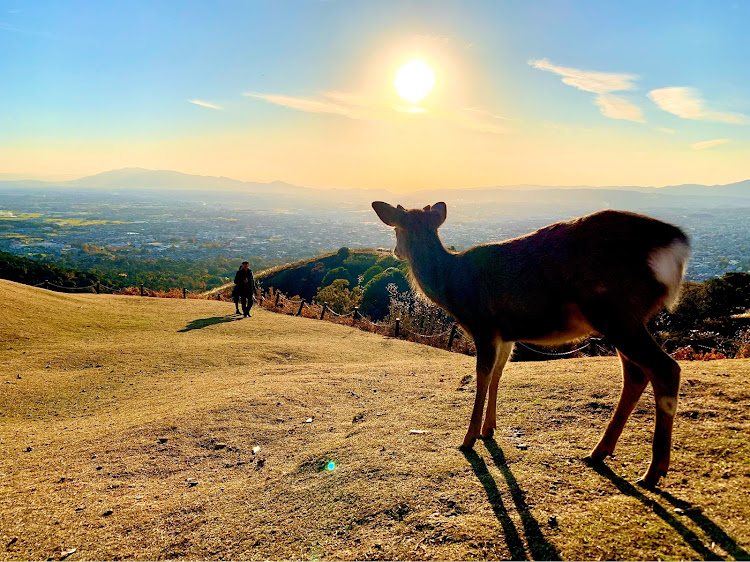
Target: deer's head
(412, 225)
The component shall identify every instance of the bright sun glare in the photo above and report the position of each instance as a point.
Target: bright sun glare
(414, 80)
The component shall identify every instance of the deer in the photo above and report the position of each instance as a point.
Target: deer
(605, 273)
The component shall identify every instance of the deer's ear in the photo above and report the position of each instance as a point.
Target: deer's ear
(440, 211)
(388, 214)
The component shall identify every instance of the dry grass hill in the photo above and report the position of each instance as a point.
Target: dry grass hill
(128, 427)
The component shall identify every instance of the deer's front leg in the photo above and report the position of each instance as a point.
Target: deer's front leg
(486, 358)
(504, 349)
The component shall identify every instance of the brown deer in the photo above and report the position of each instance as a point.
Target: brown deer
(606, 273)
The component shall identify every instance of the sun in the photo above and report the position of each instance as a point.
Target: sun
(414, 80)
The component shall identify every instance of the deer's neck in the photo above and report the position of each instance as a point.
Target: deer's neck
(432, 266)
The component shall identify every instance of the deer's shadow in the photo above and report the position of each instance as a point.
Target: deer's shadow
(539, 547)
(205, 322)
(712, 530)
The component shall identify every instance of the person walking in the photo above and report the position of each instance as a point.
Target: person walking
(244, 286)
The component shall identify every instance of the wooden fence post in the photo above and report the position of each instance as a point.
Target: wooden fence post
(452, 336)
(323, 312)
(184, 293)
(142, 294)
(301, 306)
(355, 314)
(398, 324)
(98, 287)
(592, 347)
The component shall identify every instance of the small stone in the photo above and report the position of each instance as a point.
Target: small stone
(220, 445)
(99, 467)
(29, 449)
(679, 511)
(256, 449)
(18, 377)
(12, 541)
(65, 553)
(80, 508)
(418, 431)
(308, 420)
(107, 513)
(163, 439)
(259, 464)
(522, 446)
(552, 521)
(192, 482)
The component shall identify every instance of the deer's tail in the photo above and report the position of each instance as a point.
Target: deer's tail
(668, 263)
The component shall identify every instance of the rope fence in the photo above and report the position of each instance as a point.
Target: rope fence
(452, 338)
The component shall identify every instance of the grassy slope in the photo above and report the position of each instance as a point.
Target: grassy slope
(104, 377)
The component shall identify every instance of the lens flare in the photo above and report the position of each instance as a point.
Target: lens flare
(330, 465)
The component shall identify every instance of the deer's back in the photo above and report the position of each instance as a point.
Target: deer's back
(536, 279)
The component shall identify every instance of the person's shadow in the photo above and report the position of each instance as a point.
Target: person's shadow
(205, 322)
(539, 547)
(712, 530)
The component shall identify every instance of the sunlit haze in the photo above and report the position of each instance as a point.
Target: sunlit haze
(396, 95)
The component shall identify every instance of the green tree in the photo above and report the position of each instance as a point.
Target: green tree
(376, 298)
(338, 296)
(333, 275)
(370, 273)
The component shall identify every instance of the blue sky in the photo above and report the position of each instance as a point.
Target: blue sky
(546, 92)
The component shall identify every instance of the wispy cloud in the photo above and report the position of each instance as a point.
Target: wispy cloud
(688, 104)
(205, 104)
(362, 107)
(587, 80)
(708, 144)
(602, 84)
(666, 130)
(619, 108)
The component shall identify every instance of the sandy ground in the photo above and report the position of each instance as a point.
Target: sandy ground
(149, 428)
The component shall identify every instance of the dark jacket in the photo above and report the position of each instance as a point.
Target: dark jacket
(239, 281)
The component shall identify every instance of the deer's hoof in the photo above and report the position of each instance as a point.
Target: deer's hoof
(591, 461)
(467, 445)
(651, 478)
(488, 433)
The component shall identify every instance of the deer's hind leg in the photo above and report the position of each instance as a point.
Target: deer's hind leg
(638, 346)
(486, 360)
(634, 382)
(503, 351)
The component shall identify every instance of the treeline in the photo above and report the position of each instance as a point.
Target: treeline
(712, 315)
(159, 274)
(30, 272)
(167, 273)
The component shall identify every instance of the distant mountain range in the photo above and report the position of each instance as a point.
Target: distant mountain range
(515, 199)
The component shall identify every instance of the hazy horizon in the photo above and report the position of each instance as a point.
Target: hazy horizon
(544, 93)
(72, 178)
